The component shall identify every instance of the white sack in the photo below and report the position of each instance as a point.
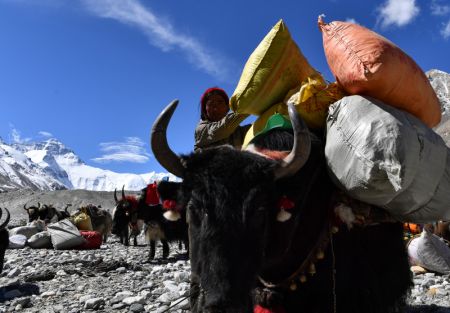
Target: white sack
(388, 158)
(430, 252)
(27, 231)
(65, 235)
(40, 240)
(17, 241)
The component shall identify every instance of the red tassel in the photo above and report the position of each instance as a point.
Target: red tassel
(152, 196)
(170, 205)
(285, 203)
(260, 309)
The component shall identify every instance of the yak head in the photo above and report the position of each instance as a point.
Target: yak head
(4, 237)
(230, 196)
(34, 212)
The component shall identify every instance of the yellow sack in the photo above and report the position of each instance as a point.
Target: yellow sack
(313, 98)
(82, 221)
(275, 67)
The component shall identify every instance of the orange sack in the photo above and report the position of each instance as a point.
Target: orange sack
(366, 63)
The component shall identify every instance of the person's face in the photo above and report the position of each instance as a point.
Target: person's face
(216, 108)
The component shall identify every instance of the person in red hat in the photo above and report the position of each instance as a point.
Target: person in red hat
(217, 126)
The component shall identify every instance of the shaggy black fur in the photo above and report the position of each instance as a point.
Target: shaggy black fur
(231, 198)
(120, 226)
(158, 227)
(4, 238)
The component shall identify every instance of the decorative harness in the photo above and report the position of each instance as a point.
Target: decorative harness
(343, 210)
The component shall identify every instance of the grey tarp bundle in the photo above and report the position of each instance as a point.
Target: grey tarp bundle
(65, 235)
(41, 240)
(430, 252)
(389, 158)
(27, 231)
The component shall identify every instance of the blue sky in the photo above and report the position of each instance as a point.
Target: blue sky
(95, 73)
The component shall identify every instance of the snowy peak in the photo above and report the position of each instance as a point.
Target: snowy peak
(18, 171)
(440, 81)
(50, 165)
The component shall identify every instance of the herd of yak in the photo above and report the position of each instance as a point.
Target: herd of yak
(131, 215)
(269, 234)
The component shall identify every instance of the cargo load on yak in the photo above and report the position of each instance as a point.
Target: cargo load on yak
(380, 149)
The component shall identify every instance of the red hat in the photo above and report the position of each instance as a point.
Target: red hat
(205, 96)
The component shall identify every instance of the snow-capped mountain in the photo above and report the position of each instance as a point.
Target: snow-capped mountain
(50, 165)
(441, 84)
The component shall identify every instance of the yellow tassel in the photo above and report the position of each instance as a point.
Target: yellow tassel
(303, 279)
(312, 269)
(293, 286)
(283, 216)
(172, 216)
(320, 255)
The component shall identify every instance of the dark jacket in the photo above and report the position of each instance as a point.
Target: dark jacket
(226, 131)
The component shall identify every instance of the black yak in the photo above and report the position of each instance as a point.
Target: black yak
(263, 231)
(4, 236)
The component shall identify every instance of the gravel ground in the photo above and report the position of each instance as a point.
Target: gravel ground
(116, 278)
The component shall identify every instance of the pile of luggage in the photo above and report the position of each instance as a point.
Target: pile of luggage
(377, 116)
(75, 232)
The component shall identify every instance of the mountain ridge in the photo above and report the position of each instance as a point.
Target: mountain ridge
(50, 165)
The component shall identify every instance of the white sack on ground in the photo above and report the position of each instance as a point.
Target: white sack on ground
(27, 231)
(65, 235)
(40, 240)
(430, 252)
(389, 158)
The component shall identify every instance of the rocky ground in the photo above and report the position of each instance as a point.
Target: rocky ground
(116, 278)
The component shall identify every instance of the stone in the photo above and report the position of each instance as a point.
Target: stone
(94, 303)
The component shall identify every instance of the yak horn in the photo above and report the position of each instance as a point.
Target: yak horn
(158, 141)
(123, 192)
(25, 206)
(115, 195)
(3, 225)
(295, 160)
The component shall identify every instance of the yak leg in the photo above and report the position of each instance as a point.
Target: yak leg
(165, 249)
(151, 255)
(135, 240)
(180, 245)
(126, 237)
(186, 245)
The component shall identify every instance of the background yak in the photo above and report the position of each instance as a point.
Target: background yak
(166, 221)
(46, 212)
(243, 255)
(4, 236)
(131, 210)
(125, 218)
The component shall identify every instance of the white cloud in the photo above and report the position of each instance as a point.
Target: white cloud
(160, 32)
(445, 32)
(131, 150)
(351, 20)
(398, 12)
(15, 136)
(439, 9)
(45, 134)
